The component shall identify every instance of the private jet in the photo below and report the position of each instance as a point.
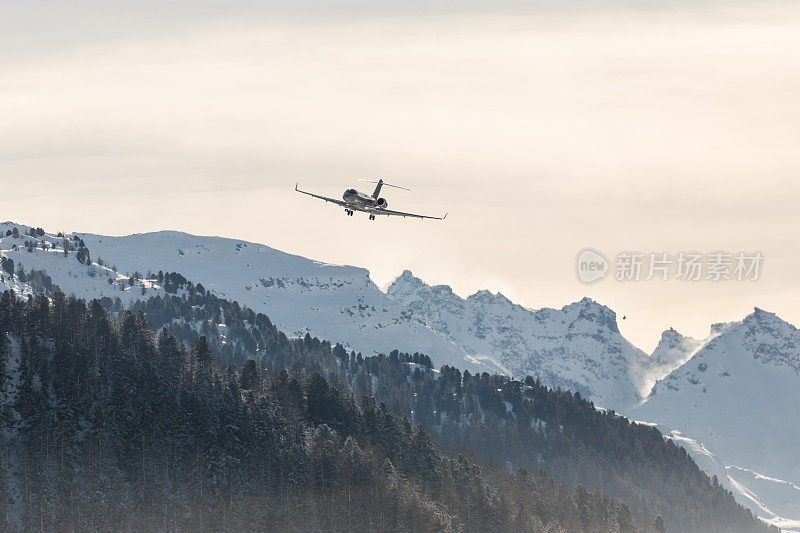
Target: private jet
(353, 200)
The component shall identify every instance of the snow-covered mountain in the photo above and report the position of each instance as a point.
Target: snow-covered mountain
(338, 303)
(770, 498)
(672, 351)
(577, 347)
(739, 395)
(732, 399)
(46, 253)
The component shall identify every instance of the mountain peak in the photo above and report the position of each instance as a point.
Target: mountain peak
(585, 303)
(762, 327)
(761, 317)
(673, 349)
(407, 288)
(487, 296)
(588, 309)
(408, 281)
(671, 337)
(757, 320)
(407, 277)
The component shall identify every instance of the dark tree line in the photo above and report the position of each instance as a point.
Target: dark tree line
(516, 423)
(486, 419)
(108, 425)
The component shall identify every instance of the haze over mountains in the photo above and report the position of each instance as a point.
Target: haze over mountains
(732, 399)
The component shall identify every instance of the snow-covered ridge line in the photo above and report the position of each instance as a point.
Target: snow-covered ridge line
(66, 260)
(335, 302)
(739, 395)
(768, 347)
(578, 347)
(507, 337)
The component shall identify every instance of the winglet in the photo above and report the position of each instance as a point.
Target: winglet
(295, 186)
(445, 216)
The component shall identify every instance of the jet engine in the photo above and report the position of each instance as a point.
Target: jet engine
(382, 203)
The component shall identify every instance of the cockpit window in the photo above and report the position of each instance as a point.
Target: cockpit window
(351, 191)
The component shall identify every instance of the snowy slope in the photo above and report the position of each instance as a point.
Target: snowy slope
(739, 395)
(775, 498)
(337, 303)
(86, 281)
(770, 498)
(731, 399)
(578, 347)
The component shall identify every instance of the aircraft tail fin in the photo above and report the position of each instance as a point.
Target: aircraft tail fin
(381, 183)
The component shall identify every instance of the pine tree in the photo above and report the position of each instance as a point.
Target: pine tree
(625, 521)
(249, 377)
(7, 264)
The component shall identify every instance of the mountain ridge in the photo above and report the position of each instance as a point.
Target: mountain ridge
(739, 394)
(578, 347)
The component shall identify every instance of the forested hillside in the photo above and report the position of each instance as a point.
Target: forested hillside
(578, 348)
(108, 426)
(517, 423)
(107, 423)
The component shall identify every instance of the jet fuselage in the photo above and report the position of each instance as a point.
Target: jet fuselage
(359, 199)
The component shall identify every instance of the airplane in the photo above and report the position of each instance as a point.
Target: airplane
(353, 200)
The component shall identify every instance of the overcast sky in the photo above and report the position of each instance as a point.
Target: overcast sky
(641, 126)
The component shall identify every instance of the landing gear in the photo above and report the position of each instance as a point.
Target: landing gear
(349, 212)
(372, 217)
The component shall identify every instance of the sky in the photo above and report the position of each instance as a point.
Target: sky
(542, 128)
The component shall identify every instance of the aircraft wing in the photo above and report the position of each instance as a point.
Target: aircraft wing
(389, 212)
(334, 200)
